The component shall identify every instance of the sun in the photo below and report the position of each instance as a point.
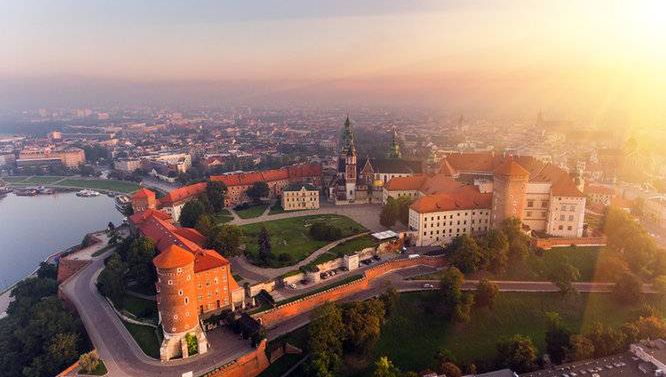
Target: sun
(646, 20)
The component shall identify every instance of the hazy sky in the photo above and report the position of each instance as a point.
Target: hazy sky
(484, 49)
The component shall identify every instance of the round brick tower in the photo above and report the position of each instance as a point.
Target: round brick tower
(509, 186)
(176, 292)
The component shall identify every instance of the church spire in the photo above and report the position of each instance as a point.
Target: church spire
(394, 151)
(347, 142)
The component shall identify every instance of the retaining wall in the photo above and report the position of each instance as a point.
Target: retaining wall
(549, 243)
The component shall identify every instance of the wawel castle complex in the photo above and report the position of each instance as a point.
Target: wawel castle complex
(462, 193)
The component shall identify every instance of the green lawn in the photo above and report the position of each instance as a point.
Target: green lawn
(101, 184)
(13, 179)
(146, 338)
(253, 211)
(536, 267)
(42, 180)
(224, 216)
(276, 208)
(291, 236)
(140, 308)
(412, 336)
(353, 245)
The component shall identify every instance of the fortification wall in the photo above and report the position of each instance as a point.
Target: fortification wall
(308, 303)
(248, 365)
(549, 243)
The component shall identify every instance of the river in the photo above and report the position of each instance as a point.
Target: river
(32, 228)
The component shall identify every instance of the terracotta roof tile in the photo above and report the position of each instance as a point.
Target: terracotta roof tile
(467, 197)
(183, 193)
(143, 193)
(511, 168)
(249, 178)
(173, 257)
(205, 259)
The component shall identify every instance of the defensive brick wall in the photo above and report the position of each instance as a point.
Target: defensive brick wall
(308, 303)
(248, 365)
(549, 243)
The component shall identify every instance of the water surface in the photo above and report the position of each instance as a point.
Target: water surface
(32, 228)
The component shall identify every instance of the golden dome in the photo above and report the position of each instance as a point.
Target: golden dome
(378, 183)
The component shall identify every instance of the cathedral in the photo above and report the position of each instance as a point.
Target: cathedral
(359, 182)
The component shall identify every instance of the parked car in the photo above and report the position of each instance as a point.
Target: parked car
(292, 286)
(428, 285)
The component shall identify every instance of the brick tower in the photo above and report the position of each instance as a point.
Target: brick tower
(143, 200)
(509, 186)
(176, 302)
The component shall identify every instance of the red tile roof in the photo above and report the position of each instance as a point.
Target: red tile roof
(143, 193)
(424, 183)
(511, 168)
(249, 178)
(166, 235)
(205, 259)
(467, 197)
(405, 183)
(181, 194)
(595, 189)
(140, 217)
(173, 257)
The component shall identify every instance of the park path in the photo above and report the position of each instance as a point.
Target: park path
(364, 214)
(240, 265)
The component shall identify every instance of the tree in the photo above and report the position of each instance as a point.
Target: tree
(265, 247)
(518, 241)
(403, 209)
(450, 369)
(557, 338)
(192, 344)
(322, 231)
(324, 340)
(390, 212)
(385, 368)
(191, 212)
(563, 275)
(580, 348)
(486, 293)
(216, 192)
(606, 340)
(89, 361)
(465, 254)
(140, 261)
(390, 299)
(111, 280)
(496, 248)
(659, 284)
(628, 288)
(452, 301)
(517, 353)
(257, 191)
(227, 240)
(363, 321)
(204, 225)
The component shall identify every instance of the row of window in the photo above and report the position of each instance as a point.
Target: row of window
(464, 222)
(464, 230)
(530, 204)
(432, 218)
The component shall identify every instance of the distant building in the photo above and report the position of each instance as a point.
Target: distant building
(276, 179)
(127, 165)
(299, 196)
(655, 211)
(69, 157)
(601, 195)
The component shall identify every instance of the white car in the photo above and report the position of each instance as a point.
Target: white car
(428, 285)
(292, 286)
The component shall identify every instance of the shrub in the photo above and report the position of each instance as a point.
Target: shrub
(192, 345)
(89, 361)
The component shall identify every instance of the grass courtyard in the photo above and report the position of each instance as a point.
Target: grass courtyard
(536, 267)
(292, 237)
(140, 308)
(100, 184)
(252, 211)
(412, 336)
(146, 338)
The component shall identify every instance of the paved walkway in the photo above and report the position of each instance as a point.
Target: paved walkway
(364, 214)
(240, 265)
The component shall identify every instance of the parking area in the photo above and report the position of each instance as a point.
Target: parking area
(625, 365)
